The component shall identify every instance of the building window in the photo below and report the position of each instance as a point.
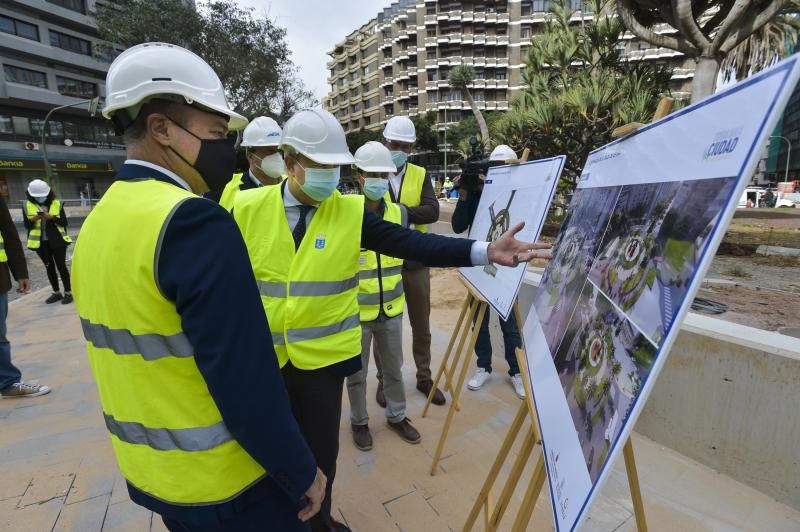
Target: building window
(19, 28)
(68, 42)
(479, 73)
(367, 120)
(526, 32)
(25, 76)
(432, 75)
(431, 55)
(541, 5)
(433, 96)
(368, 103)
(74, 5)
(527, 8)
(430, 10)
(21, 126)
(6, 128)
(479, 96)
(500, 75)
(76, 87)
(366, 70)
(333, 72)
(356, 107)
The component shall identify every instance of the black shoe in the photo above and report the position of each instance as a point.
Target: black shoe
(406, 430)
(55, 296)
(425, 388)
(67, 299)
(361, 437)
(379, 397)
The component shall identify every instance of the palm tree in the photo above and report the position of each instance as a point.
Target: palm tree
(459, 78)
(708, 30)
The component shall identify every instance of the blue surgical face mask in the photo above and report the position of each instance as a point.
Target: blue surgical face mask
(320, 182)
(399, 158)
(375, 187)
(40, 200)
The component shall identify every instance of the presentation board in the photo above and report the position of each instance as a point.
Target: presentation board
(641, 230)
(511, 194)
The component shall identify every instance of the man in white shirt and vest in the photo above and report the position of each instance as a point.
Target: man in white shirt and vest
(304, 239)
(408, 186)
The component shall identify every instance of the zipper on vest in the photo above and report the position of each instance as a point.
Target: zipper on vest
(380, 285)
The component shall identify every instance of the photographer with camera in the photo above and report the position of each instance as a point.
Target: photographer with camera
(470, 186)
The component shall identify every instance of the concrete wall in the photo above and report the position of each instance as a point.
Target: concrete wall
(728, 397)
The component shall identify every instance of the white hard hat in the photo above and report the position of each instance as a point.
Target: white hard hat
(262, 131)
(154, 69)
(502, 153)
(400, 128)
(374, 157)
(38, 188)
(317, 134)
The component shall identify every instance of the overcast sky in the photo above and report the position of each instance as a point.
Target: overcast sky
(313, 27)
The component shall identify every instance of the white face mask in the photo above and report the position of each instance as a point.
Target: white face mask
(320, 183)
(273, 165)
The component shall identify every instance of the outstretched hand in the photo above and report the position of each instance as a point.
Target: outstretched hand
(508, 251)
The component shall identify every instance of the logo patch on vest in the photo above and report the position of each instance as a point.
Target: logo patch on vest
(319, 241)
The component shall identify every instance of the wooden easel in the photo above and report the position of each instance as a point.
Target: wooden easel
(532, 437)
(474, 305)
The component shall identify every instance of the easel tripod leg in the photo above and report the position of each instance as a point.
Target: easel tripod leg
(531, 496)
(633, 482)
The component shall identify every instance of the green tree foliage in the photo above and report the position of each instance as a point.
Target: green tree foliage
(427, 140)
(578, 90)
(460, 77)
(249, 54)
(356, 139)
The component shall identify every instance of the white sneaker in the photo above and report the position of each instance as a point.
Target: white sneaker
(479, 379)
(519, 386)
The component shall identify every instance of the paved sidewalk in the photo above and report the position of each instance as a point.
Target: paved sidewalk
(58, 471)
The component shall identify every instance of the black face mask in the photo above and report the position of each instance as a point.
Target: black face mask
(216, 160)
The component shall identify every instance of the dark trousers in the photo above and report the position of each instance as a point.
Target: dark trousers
(55, 257)
(511, 341)
(274, 512)
(9, 374)
(316, 398)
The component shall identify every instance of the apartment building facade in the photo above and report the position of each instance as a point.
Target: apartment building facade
(51, 55)
(398, 62)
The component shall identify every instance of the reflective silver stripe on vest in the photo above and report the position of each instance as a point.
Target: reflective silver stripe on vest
(312, 333)
(124, 342)
(2, 245)
(272, 289)
(278, 339)
(322, 288)
(193, 439)
(386, 272)
(375, 299)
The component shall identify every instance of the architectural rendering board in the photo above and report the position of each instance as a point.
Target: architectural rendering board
(640, 232)
(511, 194)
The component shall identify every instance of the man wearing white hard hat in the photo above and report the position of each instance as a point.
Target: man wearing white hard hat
(304, 240)
(469, 195)
(260, 140)
(46, 223)
(381, 301)
(179, 344)
(409, 187)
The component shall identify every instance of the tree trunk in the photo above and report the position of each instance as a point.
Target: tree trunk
(479, 117)
(705, 77)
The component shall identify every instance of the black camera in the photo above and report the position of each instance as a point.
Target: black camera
(475, 166)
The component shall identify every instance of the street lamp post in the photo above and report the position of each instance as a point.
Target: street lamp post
(445, 147)
(788, 155)
(93, 103)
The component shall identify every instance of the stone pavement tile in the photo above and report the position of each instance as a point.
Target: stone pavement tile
(127, 517)
(363, 513)
(45, 487)
(93, 478)
(34, 518)
(412, 512)
(14, 484)
(84, 516)
(119, 492)
(157, 524)
(606, 514)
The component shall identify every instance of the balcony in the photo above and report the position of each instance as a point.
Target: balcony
(491, 40)
(490, 61)
(455, 60)
(491, 83)
(412, 50)
(479, 61)
(443, 83)
(467, 38)
(479, 17)
(502, 83)
(402, 95)
(402, 15)
(403, 75)
(430, 20)
(503, 18)
(387, 82)
(479, 83)
(442, 17)
(467, 16)
(388, 99)
(491, 18)
(431, 85)
(431, 63)
(455, 38)
(443, 39)
(502, 40)
(443, 61)
(454, 15)
(502, 106)
(401, 56)
(430, 41)
(402, 35)
(480, 39)
(385, 44)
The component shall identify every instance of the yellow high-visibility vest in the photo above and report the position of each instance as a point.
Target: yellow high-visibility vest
(310, 295)
(35, 233)
(230, 191)
(411, 190)
(381, 281)
(168, 435)
(3, 256)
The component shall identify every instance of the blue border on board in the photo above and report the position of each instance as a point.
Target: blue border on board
(786, 69)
